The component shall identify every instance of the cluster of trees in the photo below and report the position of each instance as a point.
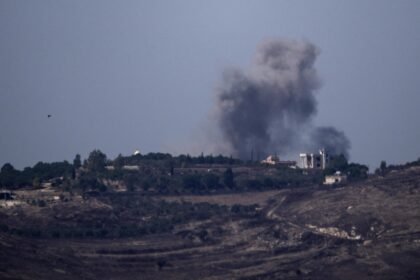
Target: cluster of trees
(384, 168)
(357, 171)
(354, 171)
(94, 168)
(33, 176)
(209, 181)
(228, 181)
(157, 180)
(156, 172)
(181, 160)
(286, 179)
(55, 172)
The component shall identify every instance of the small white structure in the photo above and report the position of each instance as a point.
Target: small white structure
(275, 160)
(271, 160)
(314, 161)
(124, 167)
(136, 152)
(131, 167)
(336, 178)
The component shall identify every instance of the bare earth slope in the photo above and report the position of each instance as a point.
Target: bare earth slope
(369, 230)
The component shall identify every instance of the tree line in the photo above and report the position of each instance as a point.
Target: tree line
(95, 165)
(155, 172)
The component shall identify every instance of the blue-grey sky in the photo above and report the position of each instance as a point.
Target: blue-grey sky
(126, 75)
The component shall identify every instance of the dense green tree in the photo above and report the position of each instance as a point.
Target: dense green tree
(382, 170)
(147, 182)
(192, 182)
(96, 161)
(7, 168)
(211, 181)
(46, 171)
(228, 178)
(383, 165)
(8, 175)
(119, 162)
(268, 182)
(209, 159)
(88, 182)
(77, 162)
(254, 184)
(337, 163)
(357, 171)
(201, 159)
(130, 181)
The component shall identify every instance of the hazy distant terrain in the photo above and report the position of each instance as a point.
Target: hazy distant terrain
(367, 230)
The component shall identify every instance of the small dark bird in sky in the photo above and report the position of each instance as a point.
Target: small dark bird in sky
(49, 116)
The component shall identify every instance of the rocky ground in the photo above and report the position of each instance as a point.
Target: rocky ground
(367, 230)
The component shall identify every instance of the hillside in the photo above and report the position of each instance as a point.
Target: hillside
(365, 230)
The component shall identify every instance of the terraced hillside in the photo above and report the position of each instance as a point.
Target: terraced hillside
(368, 230)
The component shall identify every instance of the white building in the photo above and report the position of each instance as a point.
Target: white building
(336, 178)
(314, 161)
(271, 160)
(275, 160)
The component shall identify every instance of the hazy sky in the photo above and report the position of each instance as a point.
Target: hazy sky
(126, 75)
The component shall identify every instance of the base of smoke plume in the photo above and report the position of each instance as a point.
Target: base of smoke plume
(269, 108)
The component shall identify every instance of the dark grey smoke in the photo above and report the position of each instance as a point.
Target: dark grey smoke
(334, 141)
(269, 108)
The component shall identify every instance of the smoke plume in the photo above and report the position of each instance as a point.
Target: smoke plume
(269, 108)
(335, 142)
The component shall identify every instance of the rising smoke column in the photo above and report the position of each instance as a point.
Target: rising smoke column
(333, 140)
(269, 108)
